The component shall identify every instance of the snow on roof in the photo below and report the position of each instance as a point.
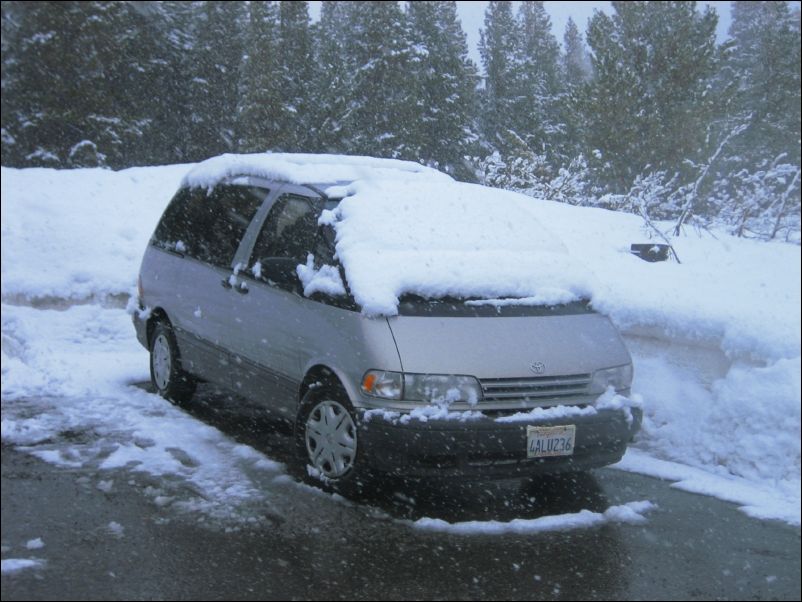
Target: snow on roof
(438, 238)
(305, 169)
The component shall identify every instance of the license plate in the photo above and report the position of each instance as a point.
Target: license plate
(547, 441)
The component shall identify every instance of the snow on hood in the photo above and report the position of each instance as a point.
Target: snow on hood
(305, 169)
(438, 238)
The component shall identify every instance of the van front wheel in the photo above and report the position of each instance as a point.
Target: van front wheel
(326, 437)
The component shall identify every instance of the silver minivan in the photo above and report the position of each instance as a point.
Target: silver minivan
(443, 388)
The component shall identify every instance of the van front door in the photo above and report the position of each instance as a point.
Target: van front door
(267, 365)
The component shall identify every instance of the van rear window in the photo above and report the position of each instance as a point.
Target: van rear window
(208, 227)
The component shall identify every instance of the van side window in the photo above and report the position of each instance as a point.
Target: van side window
(175, 230)
(209, 227)
(289, 231)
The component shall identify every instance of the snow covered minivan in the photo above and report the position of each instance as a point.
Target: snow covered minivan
(404, 322)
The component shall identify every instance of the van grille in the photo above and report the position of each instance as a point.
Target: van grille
(512, 390)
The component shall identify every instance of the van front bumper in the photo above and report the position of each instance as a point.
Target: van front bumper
(484, 448)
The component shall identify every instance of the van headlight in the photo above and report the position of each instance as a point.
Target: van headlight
(386, 385)
(619, 378)
(426, 388)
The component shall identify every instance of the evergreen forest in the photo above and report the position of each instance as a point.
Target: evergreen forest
(646, 112)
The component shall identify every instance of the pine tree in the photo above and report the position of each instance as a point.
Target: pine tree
(444, 80)
(73, 93)
(648, 104)
(536, 104)
(575, 59)
(757, 91)
(294, 74)
(330, 76)
(497, 47)
(764, 64)
(261, 123)
(32, 44)
(215, 61)
(155, 93)
(379, 116)
(576, 71)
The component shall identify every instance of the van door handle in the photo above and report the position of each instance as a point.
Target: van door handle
(225, 283)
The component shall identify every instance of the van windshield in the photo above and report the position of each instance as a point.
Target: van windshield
(415, 305)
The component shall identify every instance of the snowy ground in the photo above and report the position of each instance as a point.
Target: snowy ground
(715, 341)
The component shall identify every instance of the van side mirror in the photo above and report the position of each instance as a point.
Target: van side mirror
(281, 271)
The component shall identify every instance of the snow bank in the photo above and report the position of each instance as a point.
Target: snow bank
(79, 234)
(715, 340)
(740, 295)
(757, 499)
(730, 416)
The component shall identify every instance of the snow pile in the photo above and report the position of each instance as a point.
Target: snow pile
(743, 419)
(759, 499)
(305, 169)
(325, 279)
(739, 295)
(437, 239)
(609, 400)
(425, 413)
(79, 234)
(116, 529)
(9, 566)
(441, 410)
(631, 513)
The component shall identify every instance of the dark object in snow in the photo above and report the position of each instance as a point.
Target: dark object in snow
(650, 252)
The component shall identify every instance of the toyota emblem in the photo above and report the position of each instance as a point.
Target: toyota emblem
(538, 367)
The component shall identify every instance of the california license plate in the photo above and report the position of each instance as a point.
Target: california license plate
(547, 441)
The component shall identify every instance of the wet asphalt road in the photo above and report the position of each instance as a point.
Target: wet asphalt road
(309, 545)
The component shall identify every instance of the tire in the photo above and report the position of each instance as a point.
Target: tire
(327, 442)
(166, 374)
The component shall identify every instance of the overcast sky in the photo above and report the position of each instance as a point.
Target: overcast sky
(473, 15)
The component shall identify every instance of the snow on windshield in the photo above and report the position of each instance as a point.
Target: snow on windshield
(437, 238)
